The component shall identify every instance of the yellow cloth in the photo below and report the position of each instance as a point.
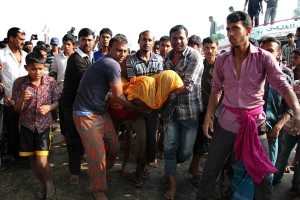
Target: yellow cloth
(153, 90)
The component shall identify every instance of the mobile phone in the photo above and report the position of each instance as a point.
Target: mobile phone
(35, 36)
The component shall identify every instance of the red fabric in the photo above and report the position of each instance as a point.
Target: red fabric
(247, 146)
(123, 114)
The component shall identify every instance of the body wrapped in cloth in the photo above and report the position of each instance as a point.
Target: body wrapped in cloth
(151, 90)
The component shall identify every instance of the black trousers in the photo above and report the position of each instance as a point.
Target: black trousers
(61, 118)
(11, 123)
(73, 141)
(220, 149)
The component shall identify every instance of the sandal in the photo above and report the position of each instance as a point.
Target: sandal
(74, 179)
(40, 195)
(138, 181)
(146, 174)
(227, 193)
(153, 164)
(51, 196)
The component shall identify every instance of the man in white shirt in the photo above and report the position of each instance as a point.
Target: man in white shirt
(12, 59)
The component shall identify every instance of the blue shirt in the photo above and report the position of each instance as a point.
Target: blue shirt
(93, 90)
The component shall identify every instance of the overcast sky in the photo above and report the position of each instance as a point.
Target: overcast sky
(129, 17)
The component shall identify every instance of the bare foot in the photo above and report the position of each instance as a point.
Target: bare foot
(125, 171)
(100, 196)
(153, 164)
(170, 193)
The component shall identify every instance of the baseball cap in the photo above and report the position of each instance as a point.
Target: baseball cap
(290, 35)
(54, 40)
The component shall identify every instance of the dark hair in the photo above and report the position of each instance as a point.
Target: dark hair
(86, 32)
(210, 40)
(118, 38)
(164, 38)
(253, 41)
(297, 51)
(177, 28)
(28, 43)
(106, 30)
(298, 29)
(222, 51)
(266, 39)
(40, 42)
(39, 48)
(35, 57)
(120, 35)
(240, 16)
(156, 42)
(14, 32)
(69, 37)
(2, 44)
(146, 31)
(290, 35)
(194, 40)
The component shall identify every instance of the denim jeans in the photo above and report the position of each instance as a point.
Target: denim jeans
(219, 151)
(270, 13)
(288, 142)
(179, 139)
(202, 143)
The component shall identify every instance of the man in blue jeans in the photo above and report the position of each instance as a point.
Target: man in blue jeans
(289, 136)
(240, 74)
(181, 129)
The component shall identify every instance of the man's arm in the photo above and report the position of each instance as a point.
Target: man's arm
(246, 2)
(209, 117)
(261, 7)
(274, 133)
(292, 102)
(119, 97)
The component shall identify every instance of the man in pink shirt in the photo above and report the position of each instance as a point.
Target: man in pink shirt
(241, 74)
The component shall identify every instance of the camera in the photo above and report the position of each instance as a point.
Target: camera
(71, 32)
(34, 36)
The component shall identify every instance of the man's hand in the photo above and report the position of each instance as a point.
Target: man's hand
(7, 101)
(296, 120)
(274, 133)
(44, 109)
(208, 124)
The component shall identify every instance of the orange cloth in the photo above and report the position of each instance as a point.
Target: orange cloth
(153, 90)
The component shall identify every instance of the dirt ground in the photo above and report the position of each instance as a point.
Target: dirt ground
(19, 183)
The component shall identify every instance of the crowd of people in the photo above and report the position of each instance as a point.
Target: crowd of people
(241, 107)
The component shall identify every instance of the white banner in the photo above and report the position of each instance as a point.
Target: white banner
(278, 29)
